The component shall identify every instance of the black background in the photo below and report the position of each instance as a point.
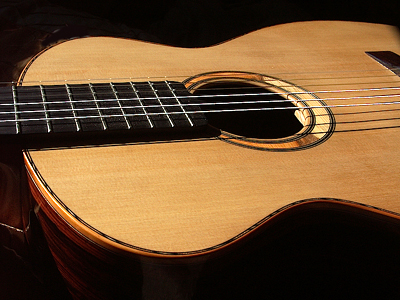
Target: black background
(26, 26)
(337, 255)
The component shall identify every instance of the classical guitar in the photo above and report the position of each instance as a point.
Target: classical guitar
(150, 153)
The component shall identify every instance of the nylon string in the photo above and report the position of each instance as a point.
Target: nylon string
(44, 102)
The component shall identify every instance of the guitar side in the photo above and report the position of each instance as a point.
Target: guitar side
(195, 197)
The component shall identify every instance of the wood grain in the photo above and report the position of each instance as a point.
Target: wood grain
(191, 197)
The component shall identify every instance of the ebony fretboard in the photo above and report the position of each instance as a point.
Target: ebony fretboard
(97, 107)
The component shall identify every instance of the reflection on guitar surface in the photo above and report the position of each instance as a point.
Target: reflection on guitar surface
(184, 156)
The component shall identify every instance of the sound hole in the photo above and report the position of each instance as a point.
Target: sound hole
(272, 117)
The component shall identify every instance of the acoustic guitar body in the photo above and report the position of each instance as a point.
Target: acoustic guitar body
(125, 207)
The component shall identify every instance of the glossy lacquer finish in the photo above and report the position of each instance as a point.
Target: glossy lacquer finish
(182, 200)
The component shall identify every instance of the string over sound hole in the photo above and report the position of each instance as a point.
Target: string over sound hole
(262, 112)
(249, 111)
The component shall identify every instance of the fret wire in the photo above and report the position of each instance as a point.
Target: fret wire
(46, 114)
(128, 123)
(15, 97)
(162, 105)
(141, 104)
(179, 102)
(97, 106)
(71, 100)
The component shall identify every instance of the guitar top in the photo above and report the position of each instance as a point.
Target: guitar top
(184, 196)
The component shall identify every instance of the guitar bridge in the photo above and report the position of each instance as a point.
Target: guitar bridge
(388, 59)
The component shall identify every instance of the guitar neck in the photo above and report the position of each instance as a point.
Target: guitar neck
(97, 107)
